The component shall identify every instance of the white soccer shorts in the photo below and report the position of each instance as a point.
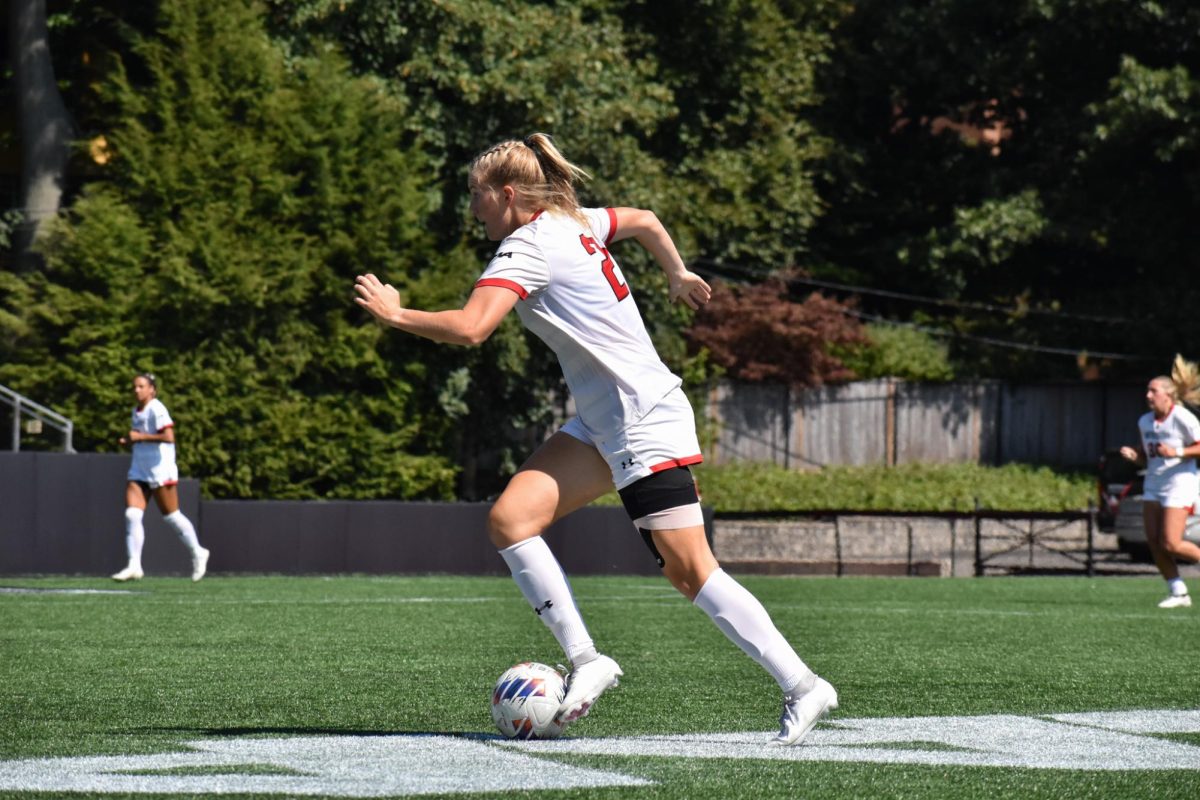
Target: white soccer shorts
(1180, 490)
(155, 475)
(664, 438)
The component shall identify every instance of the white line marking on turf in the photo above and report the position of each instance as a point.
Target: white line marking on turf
(352, 601)
(341, 766)
(986, 741)
(406, 765)
(1184, 721)
(31, 590)
(851, 609)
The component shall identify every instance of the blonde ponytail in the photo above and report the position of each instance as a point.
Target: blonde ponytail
(540, 175)
(1185, 377)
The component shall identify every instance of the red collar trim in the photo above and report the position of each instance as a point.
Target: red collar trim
(1170, 411)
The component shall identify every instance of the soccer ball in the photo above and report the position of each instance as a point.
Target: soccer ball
(526, 700)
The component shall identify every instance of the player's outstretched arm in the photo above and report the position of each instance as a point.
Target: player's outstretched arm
(470, 325)
(644, 225)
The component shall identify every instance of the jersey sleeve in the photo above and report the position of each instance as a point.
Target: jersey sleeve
(519, 265)
(162, 419)
(603, 222)
(1192, 427)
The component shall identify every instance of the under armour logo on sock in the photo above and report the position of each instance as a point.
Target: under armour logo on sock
(549, 604)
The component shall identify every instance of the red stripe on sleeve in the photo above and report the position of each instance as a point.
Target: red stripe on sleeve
(612, 225)
(503, 284)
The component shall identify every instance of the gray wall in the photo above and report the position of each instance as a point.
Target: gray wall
(895, 422)
(64, 514)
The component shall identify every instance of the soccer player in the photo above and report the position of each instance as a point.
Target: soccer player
(634, 429)
(153, 472)
(1169, 436)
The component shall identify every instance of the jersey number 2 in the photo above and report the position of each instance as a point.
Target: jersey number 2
(607, 266)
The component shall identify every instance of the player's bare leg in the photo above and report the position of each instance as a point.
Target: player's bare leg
(167, 498)
(690, 565)
(1171, 546)
(563, 475)
(135, 532)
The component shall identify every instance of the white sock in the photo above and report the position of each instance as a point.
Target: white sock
(135, 535)
(542, 581)
(1176, 587)
(183, 526)
(743, 619)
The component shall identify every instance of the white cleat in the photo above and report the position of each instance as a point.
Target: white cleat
(199, 564)
(800, 714)
(1177, 601)
(130, 573)
(585, 684)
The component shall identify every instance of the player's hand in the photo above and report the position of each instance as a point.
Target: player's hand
(381, 299)
(1129, 453)
(691, 289)
(1163, 449)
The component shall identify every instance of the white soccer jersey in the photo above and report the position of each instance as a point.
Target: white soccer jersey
(153, 462)
(1178, 429)
(575, 299)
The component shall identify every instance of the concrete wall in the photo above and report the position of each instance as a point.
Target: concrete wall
(64, 514)
(397, 537)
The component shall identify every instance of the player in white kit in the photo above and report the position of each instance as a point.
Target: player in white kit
(1169, 446)
(635, 428)
(153, 472)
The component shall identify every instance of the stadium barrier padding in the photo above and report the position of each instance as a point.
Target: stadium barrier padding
(64, 514)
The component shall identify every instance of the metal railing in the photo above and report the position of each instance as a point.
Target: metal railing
(36, 415)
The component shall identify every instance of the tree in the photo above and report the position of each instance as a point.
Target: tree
(897, 351)
(45, 126)
(761, 333)
(239, 195)
(978, 159)
(695, 115)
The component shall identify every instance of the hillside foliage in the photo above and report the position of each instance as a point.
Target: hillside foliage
(1021, 178)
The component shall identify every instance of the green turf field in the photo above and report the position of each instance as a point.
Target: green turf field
(332, 686)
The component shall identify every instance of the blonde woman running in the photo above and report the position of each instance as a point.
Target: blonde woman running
(1169, 436)
(635, 428)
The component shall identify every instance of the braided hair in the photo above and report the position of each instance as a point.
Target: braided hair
(535, 169)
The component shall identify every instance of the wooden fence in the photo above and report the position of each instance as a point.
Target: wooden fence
(896, 422)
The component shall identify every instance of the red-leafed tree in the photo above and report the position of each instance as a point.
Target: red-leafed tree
(768, 333)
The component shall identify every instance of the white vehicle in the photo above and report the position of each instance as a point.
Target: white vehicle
(1120, 486)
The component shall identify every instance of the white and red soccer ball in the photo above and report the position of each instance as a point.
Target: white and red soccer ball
(526, 701)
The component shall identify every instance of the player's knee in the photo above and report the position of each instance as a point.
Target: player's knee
(1176, 547)
(506, 528)
(685, 580)
(688, 577)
